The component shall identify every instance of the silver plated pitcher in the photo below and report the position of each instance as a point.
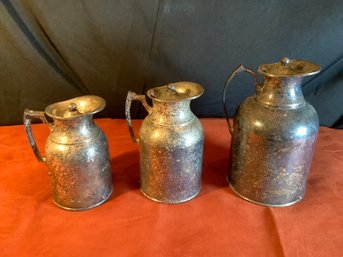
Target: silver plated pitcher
(273, 135)
(76, 152)
(170, 143)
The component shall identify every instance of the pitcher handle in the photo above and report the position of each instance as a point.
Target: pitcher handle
(131, 96)
(28, 116)
(239, 69)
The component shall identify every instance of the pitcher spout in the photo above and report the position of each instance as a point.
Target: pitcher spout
(76, 107)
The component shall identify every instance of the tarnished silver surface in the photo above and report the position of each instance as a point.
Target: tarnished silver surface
(170, 142)
(273, 136)
(76, 153)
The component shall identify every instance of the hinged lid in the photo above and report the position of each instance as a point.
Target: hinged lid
(175, 92)
(76, 107)
(289, 68)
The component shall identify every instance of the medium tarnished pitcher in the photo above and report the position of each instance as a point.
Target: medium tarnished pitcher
(170, 143)
(76, 152)
(273, 135)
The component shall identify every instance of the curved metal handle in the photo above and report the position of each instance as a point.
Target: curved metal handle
(131, 96)
(239, 69)
(28, 116)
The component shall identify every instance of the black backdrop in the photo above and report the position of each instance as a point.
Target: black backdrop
(58, 49)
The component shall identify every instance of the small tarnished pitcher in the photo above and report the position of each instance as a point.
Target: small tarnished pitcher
(76, 152)
(170, 143)
(273, 135)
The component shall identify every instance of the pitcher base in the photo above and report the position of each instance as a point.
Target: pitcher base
(171, 202)
(263, 204)
(84, 208)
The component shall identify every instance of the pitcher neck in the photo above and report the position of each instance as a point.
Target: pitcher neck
(74, 123)
(74, 131)
(171, 113)
(280, 92)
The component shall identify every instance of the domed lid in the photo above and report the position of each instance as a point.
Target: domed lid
(176, 92)
(76, 107)
(289, 68)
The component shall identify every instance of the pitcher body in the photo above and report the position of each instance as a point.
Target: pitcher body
(271, 152)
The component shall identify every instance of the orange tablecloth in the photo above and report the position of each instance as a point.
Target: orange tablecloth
(215, 223)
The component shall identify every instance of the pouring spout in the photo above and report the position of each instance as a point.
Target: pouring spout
(76, 107)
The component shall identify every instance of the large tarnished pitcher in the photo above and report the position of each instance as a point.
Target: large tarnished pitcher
(76, 152)
(273, 135)
(170, 142)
